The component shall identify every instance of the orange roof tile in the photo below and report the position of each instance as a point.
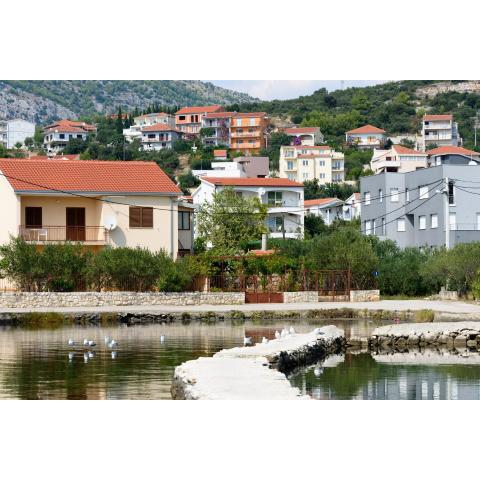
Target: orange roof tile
(206, 109)
(451, 150)
(219, 153)
(220, 114)
(320, 201)
(249, 114)
(87, 176)
(300, 130)
(159, 127)
(65, 125)
(367, 129)
(252, 182)
(430, 118)
(406, 151)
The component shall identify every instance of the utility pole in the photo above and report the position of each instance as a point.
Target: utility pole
(447, 215)
(283, 226)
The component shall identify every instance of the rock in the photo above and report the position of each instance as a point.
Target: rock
(460, 341)
(413, 340)
(472, 343)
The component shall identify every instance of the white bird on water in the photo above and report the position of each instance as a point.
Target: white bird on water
(112, 344)
(277, 334)
(71, 342)
(114, 355)
(107, 340)
(91, 343)
(162, 338)
(247, 340)
(85, 342)
(284, 332)
(291, 331)
(264, 340)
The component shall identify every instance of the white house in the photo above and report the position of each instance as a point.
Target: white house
(159, 137)
(329, 209)
(253, 167)
(304, 135)
(353, 207)
(365, 137)
(135, 130)
(14, 131)
(219, 123)
(283, 197)
(58, 134)
(304, 162)
(398, 159)
(440, 130)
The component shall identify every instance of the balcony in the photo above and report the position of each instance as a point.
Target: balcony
(58, 234)
(245, 134)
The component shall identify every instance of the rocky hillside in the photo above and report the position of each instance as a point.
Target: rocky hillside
(44, 100)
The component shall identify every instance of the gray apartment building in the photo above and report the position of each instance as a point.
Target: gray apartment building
(412, 208)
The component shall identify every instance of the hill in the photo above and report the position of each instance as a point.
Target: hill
(396, 107)
(44, 100)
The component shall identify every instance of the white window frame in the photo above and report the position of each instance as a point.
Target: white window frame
(423, 192)
(401, 225)
(452, 224)
(367, 198)
(368, 227)
(394, 195)
(422, 222)
(434, 220)
(380, 195)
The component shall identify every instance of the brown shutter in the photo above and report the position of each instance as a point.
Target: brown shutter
(135, 217)
(33, 217)
(147, 217)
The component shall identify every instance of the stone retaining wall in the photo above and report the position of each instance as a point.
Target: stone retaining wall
(364, 295)
(300, 297)
(96, 299)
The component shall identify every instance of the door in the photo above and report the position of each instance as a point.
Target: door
(76, 224)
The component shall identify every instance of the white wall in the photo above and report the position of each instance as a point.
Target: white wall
(10, 211)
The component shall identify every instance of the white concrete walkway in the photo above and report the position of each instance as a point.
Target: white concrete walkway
(446, 307)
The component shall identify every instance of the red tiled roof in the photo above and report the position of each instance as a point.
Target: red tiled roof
(70, 126)
(451, 150)
(367, 129)
(300, 130)
(249, 114)
(430, 118)
(88, 176)
(260, 253)
(147, 115)
(206, 109)
(316, 147)
(219, 153)
(220, 114)
(252, 182)
(406, 151)
(159, 127)
(320, 201)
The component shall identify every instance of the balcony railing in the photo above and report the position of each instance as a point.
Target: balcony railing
(46, 234)
(245, 134)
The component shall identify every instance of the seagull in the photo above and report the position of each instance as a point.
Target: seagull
(85, 342)
(114, 355)
(112, 344)
(318, 331)
(317, 371)
(107, 340)
(247, 340)
(71, 342)
(277, 334)
(162, 338)
(284, 332)
(291, 331)
(91, 343)
(264, 340)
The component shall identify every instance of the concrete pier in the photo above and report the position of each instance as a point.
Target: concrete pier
(257, 372)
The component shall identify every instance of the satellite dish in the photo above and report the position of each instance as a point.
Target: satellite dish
(110, 222)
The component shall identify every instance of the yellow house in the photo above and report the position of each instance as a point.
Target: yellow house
(96, 203)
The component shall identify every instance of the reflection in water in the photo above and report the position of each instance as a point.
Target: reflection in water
(428, 375)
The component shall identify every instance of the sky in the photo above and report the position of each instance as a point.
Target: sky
(285, 89)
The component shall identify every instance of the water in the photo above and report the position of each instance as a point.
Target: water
(427, 375)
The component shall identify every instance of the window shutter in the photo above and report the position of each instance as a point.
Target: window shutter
(135, 217)
(147, 217)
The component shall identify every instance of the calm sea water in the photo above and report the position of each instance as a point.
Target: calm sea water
(427, 375)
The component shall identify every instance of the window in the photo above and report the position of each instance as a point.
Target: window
(433, 220)
(289, 153)
(238, 122)
(275, 224)
(337, 166)
(407, 194)
(322, 175)
(383, 231)
(368, 227)
(394, 194)
(305, 176)
(151, 135)
(451, 193)
(478, 221)
(181, 117)
(321, 163)
(62, 136)
(252, 122)
(305, 163)
(453, 221)
(184, 220)
(423, 192)
(275, 199)
(367, 198)
(141, 217)
(380, 195)
(422, 222)
(33, 217)
(289, 165)
(79, 136)
(401, 225)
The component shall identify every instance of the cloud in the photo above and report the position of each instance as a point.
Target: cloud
(285, 89)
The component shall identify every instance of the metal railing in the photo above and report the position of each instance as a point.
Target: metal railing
(62, 233)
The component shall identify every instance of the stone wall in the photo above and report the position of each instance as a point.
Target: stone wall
(300, 297)
(447, 294)
(96, 299)
(364, 295)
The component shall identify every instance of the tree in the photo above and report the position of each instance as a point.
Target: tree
(18, 145)
(230, 221)
(28, 142)
(187, 181)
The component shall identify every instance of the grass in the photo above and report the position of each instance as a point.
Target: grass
(401, 297)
